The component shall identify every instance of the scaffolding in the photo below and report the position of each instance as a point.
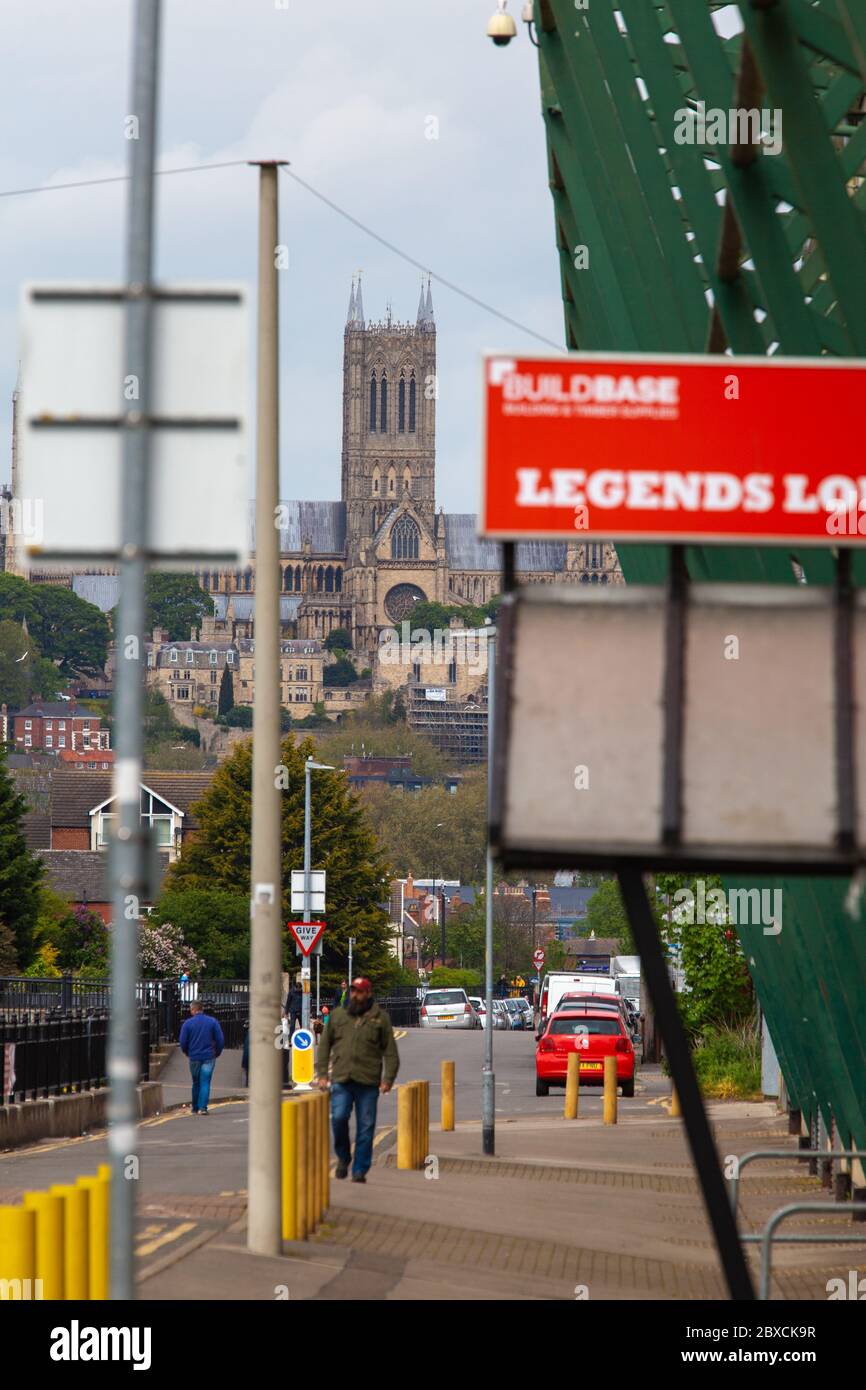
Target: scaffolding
(458, 727)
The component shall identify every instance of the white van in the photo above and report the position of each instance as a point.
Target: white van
(558, 983)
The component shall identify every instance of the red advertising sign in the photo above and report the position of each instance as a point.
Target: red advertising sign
(664, 448)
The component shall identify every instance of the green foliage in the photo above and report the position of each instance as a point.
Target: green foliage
(342, 843)
(64, 628)
(72, 939)
(430, 616)
(238, 717)
(606, 916)
(20, 871)
(227, 692)
(340, 673)
(8, 952)
(339, 639)
(45, 966)
(380, 740)
(718, 990)
(214, 923)
(176, 602)
(432, 831)
(728, 1063)
(23, 672)
(444, 976)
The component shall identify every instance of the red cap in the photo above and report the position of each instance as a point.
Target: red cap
(362, 983)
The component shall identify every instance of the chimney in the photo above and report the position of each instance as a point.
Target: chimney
(193, 634)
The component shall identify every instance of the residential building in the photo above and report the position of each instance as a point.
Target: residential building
(55, 726)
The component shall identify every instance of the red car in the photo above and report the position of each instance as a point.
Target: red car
(594, 1034)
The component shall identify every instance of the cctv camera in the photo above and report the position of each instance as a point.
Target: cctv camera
(501, 28)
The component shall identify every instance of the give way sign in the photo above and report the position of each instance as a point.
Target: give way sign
(306, 934)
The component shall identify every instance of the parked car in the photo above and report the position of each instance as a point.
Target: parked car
(515, 1014)
(586, 1000)
(594, 1034)
(480, 1009)
(557, 983)
(526, 1009)
(448, 1008)
(501, 1017)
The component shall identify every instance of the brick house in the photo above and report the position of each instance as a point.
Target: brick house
(54, 726)
(82, 809)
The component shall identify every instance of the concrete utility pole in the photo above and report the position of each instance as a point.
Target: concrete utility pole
(309, 766)
(128, 864)
(264, 1234)
(488, 1080)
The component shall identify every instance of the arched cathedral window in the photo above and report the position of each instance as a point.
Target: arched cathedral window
(383, 400)
(404, 539)
(373, 403)
(401, 405)
(412, 404)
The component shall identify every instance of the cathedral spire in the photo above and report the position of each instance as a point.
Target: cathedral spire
(359, 304)
(422, 306)
(350, 317)
(429, 306)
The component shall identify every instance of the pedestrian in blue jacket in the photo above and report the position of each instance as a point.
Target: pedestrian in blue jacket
(201, 1040)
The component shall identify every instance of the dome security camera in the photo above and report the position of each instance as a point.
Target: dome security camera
(501, 28)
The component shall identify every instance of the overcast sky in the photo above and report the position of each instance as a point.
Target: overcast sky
(344, 90)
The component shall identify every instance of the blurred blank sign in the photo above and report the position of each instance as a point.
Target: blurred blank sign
(70, 438)
(583, 748)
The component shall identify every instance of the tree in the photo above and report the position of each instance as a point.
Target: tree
(8, 953)
(23, 672)
(17, 600)
(20, 871)
(379, 740)
(175, 602)
(213, 923)
(69, 630)
(338, 639)
(432, 831)
(444, 976)
(163, 953)
(342, 844)
(719, 990)
(227, 692)
(606, 916)
(340, 672)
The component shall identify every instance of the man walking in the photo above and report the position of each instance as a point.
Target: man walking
(201, 1040)
(341, 998)
(357, 1042)
(294, 1005)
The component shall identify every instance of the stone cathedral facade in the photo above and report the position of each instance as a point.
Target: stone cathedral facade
(364, 562)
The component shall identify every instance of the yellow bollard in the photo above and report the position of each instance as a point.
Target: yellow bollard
(17, 1253)
(289, 1168)
(309, 1162)
(610, 1090)
(48, 1211)
(447, 1096)
(425, 1123)
(104, 1171)
(76, 1277)
(300, 1173)
(572, 1087)
(316, 1157)
(418, 1091)
(405, 1132)
(326, 1152)
(97, 1237)
(674, 1110)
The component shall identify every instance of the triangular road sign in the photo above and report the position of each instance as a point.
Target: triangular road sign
(306, 934)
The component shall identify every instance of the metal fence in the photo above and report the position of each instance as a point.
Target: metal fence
(59, 1055)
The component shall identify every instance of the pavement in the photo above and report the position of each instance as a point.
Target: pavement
(565, 1209)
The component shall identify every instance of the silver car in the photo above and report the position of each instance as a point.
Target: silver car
(501, 1017)
(448, 1008)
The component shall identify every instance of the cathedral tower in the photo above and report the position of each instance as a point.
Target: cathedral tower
(389, 418)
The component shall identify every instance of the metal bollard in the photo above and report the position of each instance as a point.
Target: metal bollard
(97, 1236)
(303, 1224)
(76, 1277)
(447, 1096)
(405, 1130)
(674, 1112)
(609, 1115)
(17, 1252)
(48, 1211)
(289, 1169)
(572, 1087)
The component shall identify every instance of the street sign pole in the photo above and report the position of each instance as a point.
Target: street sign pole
(263, 1179)
(128, 858)
(488, 1080)
(305, 967)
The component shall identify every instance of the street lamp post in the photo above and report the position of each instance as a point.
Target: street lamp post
(488, 1079)
(309, 766)
(439, 825)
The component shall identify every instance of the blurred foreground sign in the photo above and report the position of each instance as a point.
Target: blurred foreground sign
(69, 434)
(664, 448)
(718, 734)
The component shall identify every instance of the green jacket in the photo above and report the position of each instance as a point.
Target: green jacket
(356, 1046)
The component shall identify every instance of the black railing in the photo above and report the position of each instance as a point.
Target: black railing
(167, 1002)
(58, 1055)
(403, 1011)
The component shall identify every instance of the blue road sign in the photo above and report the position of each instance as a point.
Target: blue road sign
(302, 1038)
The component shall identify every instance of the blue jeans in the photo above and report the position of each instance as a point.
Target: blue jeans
(345, 1094)
(201, 1073)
